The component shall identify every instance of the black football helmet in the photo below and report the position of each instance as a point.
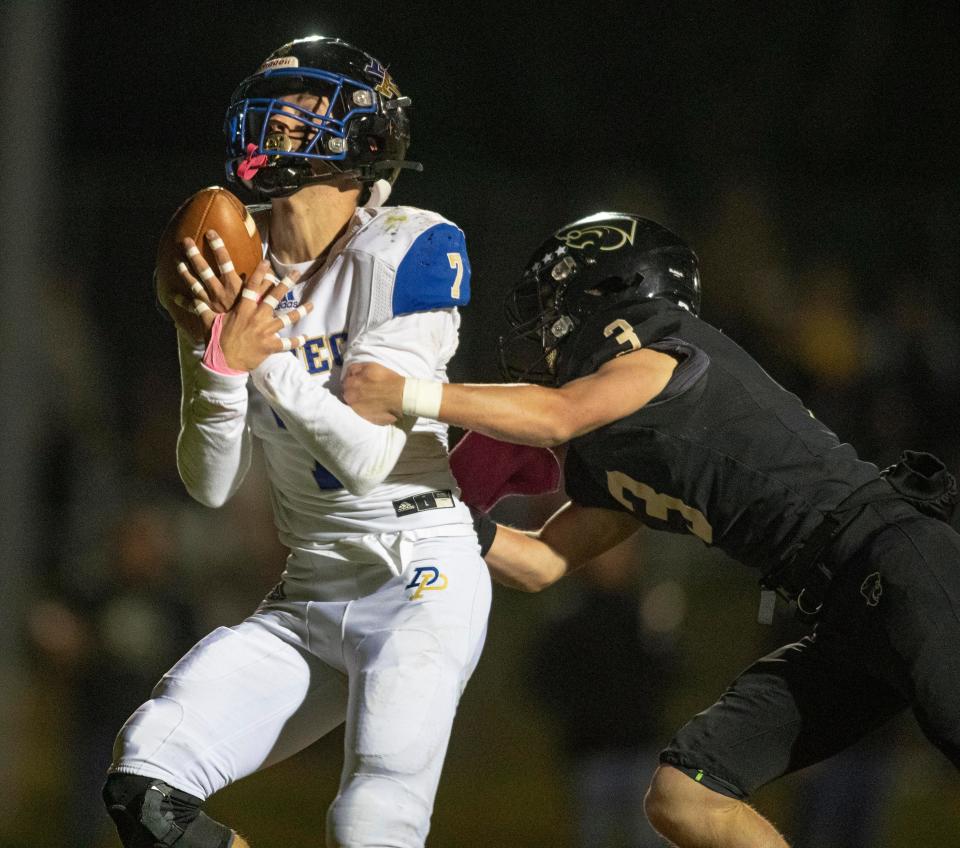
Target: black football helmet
(585, 267)
(362, 132)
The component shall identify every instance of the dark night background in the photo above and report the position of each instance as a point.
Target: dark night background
(808, 152)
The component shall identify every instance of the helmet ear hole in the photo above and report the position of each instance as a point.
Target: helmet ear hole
(612, 285)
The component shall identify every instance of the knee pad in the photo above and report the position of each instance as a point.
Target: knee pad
(377, 810)
(149, 813)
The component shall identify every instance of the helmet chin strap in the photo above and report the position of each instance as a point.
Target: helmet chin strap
(379, 192)
(297, 183)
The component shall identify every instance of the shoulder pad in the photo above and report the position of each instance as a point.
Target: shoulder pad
(426, 254)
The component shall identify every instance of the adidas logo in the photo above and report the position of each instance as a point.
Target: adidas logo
(440, 499)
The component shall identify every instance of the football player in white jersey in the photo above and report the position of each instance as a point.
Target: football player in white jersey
(381, 612)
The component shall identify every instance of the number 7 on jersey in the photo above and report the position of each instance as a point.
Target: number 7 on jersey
(456, 262)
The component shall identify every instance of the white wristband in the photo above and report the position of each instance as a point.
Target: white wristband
(422, 398)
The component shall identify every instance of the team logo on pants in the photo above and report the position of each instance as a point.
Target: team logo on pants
(426, 578)
(872, 589)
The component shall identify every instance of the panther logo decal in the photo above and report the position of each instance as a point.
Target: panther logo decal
(872, 589)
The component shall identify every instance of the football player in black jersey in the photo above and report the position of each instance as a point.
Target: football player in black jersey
(672, 425)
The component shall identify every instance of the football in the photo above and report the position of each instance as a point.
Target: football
(211, 208)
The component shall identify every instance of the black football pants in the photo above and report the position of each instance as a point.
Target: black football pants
(888, 638)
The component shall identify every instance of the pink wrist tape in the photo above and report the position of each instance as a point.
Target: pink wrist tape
(213, 356)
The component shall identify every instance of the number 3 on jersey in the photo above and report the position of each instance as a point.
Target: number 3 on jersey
(625, 334)
(456, 262)
(657, 505)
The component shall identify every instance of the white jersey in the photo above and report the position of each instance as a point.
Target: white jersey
(387, 292)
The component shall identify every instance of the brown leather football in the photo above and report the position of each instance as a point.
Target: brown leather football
(211, 208)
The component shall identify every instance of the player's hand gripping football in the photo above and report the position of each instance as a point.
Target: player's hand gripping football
(219, 292)
(374, 392)
(246, 333)
(198, 282)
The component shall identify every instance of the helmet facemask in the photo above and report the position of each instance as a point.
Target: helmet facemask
(314, 109)
(537, 313)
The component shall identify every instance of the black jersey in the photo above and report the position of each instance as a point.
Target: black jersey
(724, 452)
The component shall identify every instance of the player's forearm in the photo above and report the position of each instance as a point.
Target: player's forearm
(536, 415)
(213, 447)
(520, 413)
(359, 454)
(521, 561)
(572, 536)
(212, 462)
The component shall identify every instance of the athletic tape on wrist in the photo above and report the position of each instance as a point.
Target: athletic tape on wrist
(213, 356)
(422, 398)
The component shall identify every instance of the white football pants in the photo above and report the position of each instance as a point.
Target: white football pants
(387, 639)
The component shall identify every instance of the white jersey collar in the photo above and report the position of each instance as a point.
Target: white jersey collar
(360, 217)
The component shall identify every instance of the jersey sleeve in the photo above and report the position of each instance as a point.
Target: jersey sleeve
(357, 453)
(409, 261)
(583, 488)
(416, 345)
(214, 444)
(692, 365)
(434, 273)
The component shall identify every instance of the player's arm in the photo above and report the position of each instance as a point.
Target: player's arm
(519, 412)
(358, 453)
(573, 536)
(213, 447)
